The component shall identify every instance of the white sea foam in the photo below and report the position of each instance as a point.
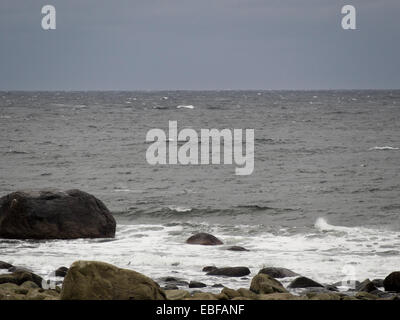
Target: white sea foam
(185, 106)
(321, 253)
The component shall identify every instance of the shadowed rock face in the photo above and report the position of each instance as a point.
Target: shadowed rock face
(93, 280)
(50, 214)
(392, 282)
(205, 239)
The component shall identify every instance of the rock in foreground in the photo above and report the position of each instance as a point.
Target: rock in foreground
(54, 215)
(392, 282)
(92, 280)
(264, 284)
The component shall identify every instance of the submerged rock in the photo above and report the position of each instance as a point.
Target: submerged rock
(205, 239)
(264, 284)
(278, 272)
(303, 282)
(54, 215)
(230, 272)
(392, 282)
(92, 280)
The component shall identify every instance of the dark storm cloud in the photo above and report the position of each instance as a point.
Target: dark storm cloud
(208, 44)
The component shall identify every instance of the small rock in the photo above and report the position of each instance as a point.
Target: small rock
(237, 248)
(230, 272)
(196, 284)
(366, 286)
(303, 282)
(209, 268)
(218, 285)
(175, 281)
(204, 239)
(61, 272)
(20, 277)
(278, 272)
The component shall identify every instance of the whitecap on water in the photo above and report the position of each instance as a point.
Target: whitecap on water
(185, 106)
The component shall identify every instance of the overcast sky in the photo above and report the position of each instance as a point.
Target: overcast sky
(199, 44)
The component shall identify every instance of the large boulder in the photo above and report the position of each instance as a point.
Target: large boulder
(278, 272)
(204, 239)
(92, 280)
(230, 272)
(49, 214)
(264, 284)
(392, 282)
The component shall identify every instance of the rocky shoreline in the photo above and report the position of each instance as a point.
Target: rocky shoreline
(72, 214)
(94, 280)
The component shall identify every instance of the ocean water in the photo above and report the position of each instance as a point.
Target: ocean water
(323, 200)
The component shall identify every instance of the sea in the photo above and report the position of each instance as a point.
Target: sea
(323, 199)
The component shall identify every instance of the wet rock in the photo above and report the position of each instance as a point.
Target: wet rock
(170, 287)
(209, 268)
(197, 284)
(303, 282)
(323, 296)
(365, 296)
(378, 283)
(204, 239)
(203, 296)
(246, 293)
(49, 214)
(218, 285)
(5, 265)
(19, 269)
(366, 286)
(279, 296)
(230, 272)
(392, 282)
(177, 294)
(175, 281)
(92, 280)
(264, 284)
(278, 272)
(237, 248)
(230, 293)
(20, 277)
(61, 272)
